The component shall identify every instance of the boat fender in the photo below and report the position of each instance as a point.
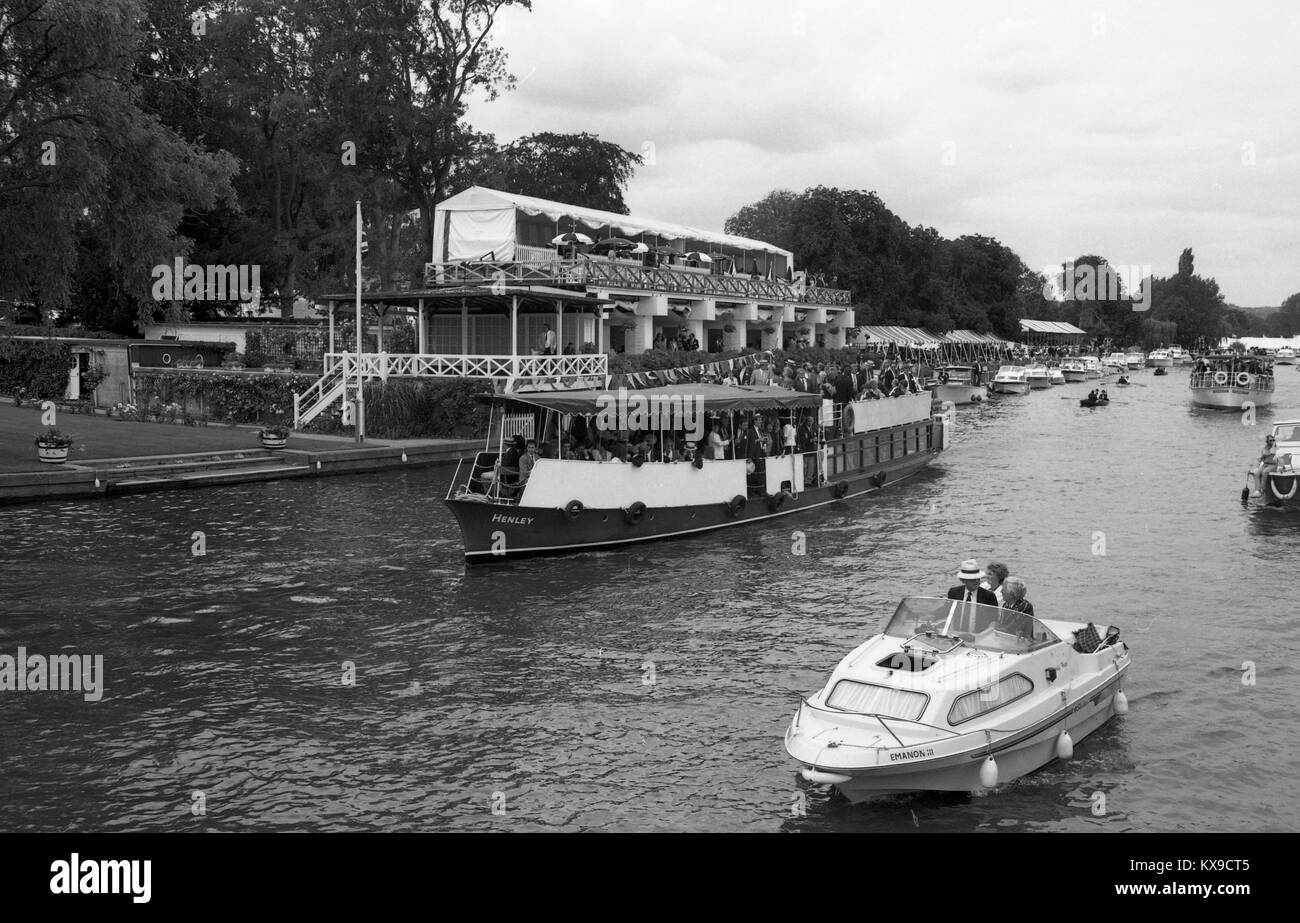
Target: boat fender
(1220, 378)
(1273, 481)
(777, 500)
(638, 460)
(699, 460)
(846, 418)
(735, 505)
(1121, 703)
(878, 479)
(634, 513)
(840, 489)
(1243, 379)
(1245, 494)
(572, 509)
(989, 773)
(1064, 746)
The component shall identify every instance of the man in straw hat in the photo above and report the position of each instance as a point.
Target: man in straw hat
(970, 591)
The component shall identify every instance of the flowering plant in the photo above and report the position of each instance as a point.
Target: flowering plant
(53, 438)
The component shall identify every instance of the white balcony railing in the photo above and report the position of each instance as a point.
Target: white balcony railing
(427, 365)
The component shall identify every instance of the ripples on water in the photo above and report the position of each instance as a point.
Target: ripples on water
(224, 672)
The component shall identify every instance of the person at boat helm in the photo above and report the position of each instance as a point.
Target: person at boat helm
(1017, 614)
(996, 576)
(510, 464)
(970, 590)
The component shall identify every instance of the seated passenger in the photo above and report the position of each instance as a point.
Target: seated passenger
(516, 448)
(1267, 463)
(1017, 612)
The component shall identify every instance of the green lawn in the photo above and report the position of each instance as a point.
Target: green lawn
(99, 437)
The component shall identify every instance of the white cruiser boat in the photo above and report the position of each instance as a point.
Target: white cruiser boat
(1116, 361)
(1134, 360)
(1160, 359)
(1010, 379)
(956, 696)
(1180, 356)
(1038, 378)
(1056, 376)
(1232, 381)
(1285, 356)
(1280, 487)
(1076, 370)
(956, 383)
(1093, 365)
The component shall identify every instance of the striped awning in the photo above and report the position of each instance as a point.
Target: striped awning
(1051, 326)
(902, 336)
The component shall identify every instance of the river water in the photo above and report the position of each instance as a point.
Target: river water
(646, 690)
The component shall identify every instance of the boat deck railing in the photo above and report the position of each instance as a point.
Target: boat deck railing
(1254, 381)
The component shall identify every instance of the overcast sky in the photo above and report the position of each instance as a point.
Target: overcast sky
(1125, 129)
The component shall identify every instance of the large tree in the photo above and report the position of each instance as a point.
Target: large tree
(80, 154)
(577, 169)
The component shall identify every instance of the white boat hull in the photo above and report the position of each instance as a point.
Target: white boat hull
(1073, 375)
(1016, 753)
(1162, 363)
(1230, 397)
(1040, 384)
(1010, 387)
(959, 394)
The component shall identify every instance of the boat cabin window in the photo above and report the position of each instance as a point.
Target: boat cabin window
(981, 701)
(870, 699)
(987, 628)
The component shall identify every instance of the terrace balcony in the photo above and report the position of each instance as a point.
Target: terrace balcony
(631, 275)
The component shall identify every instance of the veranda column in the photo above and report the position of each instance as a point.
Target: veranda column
(420, 331)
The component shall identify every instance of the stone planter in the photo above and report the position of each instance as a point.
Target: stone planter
(274, 442)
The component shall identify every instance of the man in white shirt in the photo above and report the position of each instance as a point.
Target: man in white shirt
(548, 341)
(994, 574)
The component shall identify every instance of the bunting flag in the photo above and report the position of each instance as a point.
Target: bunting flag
(684, 374)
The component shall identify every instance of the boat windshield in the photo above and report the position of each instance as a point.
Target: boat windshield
(989, 628)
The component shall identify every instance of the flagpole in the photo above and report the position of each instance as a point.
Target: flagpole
(359, 407)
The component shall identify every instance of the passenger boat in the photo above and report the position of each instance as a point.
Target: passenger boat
(1115, 361)
(956, 383)
(571, 503)
(1076, 370)
(1010, 379)
(1134, 360)
(1093, 365)
(1037, 377)
(1285, 356)
(1160, 359)
(1056, 376)
(957, 696)
(1280, 487)
(1232, 381)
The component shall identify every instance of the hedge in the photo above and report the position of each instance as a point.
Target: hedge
(40, 367)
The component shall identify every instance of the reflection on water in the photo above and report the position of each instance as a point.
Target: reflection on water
(646, 689)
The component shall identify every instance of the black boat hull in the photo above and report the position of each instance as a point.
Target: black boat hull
(493, 532)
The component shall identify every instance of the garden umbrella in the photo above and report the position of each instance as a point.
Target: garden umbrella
(570, 238)
(613, 243)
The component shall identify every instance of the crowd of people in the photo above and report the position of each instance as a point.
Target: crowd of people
(841, 382)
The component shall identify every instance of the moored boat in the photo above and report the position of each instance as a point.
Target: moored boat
(1116, 361)
(1037, 377)
(1160, 359)
(1134, 359)
(1010, 379)
(1093, 366)
(666, 488)
(1075, 370)
(1285, 356)
(956, 383)
(1180, 356)
(1230, 382)
(957, 696)
(1056, 376)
